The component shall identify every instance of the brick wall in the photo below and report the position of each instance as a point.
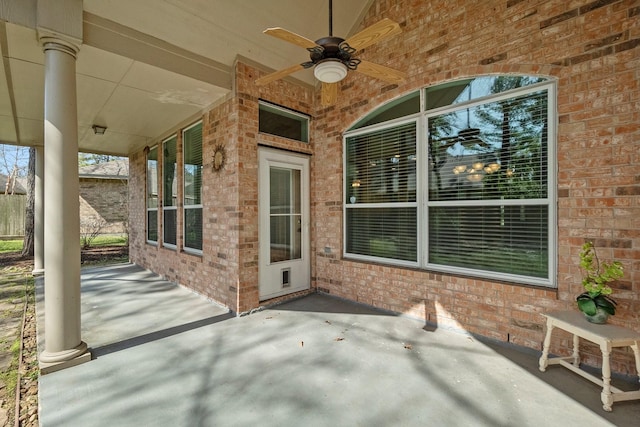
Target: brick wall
(214, 274)
(591, 48)
(227, 271)
(103, 202)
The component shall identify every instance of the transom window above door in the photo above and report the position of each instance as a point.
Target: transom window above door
(283, 122)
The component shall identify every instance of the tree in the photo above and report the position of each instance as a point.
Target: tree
(27, 247)
(86, 159)
(13, 164)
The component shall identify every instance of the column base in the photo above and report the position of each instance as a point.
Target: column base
(37, 272)
(52, 362)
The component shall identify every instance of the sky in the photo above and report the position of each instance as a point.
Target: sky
(16, 156)
(13, 156)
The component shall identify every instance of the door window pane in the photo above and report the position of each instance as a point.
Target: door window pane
(285, 214)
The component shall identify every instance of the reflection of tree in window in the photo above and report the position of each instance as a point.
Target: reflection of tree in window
(500, 145)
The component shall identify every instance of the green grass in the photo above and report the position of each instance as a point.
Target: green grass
(110, 240)
(107, 240)
(10, 375)
(18, 284)
(10, 246)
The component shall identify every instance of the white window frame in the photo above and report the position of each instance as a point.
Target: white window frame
(378, 127)
(186, 207)
(173, 207)
(286, 112)
(423, 203)
(148, 209)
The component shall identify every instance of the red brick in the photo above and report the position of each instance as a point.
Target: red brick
(598, 162)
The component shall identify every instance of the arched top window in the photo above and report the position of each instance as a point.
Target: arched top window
(457, 178)
(467, 90)
(446, 94)
(400, 107)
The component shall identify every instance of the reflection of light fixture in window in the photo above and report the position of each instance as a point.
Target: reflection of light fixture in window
(99, 130)
(330, 71)
(355, 183)
(509, 172)
(474, 177)
(459, 169)
(477, 166)
(492, 167)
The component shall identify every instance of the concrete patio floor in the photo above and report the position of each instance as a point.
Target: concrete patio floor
(164, 356)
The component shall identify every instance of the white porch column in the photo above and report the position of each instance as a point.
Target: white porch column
(38, 229)
(63, 345)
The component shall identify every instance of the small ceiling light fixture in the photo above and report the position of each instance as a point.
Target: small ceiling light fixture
(330, 71)
(99, 130)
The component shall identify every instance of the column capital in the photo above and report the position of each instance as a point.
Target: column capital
(50, 40)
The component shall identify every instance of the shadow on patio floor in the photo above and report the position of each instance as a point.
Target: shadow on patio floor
(168, 357)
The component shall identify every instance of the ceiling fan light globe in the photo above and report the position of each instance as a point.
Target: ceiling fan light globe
(330, 71)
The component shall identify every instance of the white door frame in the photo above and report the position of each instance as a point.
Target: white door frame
(277, 278)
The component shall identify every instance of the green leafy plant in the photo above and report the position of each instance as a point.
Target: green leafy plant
(595, 282)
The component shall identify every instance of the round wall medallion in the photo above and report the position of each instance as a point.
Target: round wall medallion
(219, 157)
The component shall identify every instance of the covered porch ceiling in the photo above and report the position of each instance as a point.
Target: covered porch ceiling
(146, 66)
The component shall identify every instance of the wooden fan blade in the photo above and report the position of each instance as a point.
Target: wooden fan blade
(329, 93)
(373, 34)
(278, 75)
(290, 37)
(381, 72)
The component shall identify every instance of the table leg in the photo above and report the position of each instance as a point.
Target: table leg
(636, 353)
(606, 396)
(576, 350)
(544, 359)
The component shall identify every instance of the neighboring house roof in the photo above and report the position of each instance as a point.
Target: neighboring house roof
(19, 188)
(116, 169)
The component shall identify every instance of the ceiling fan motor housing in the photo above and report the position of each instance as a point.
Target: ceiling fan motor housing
(333, 48)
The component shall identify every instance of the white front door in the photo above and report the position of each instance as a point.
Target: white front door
(283, 209)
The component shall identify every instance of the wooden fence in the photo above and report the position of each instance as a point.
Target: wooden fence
(12, 212)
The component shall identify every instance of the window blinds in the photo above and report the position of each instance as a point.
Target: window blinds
(192, 194)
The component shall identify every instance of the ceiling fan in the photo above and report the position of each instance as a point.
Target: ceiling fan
(333, 56)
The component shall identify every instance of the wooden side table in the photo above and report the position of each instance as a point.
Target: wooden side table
(606, 336)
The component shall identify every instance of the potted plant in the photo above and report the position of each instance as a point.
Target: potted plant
(596, 303)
